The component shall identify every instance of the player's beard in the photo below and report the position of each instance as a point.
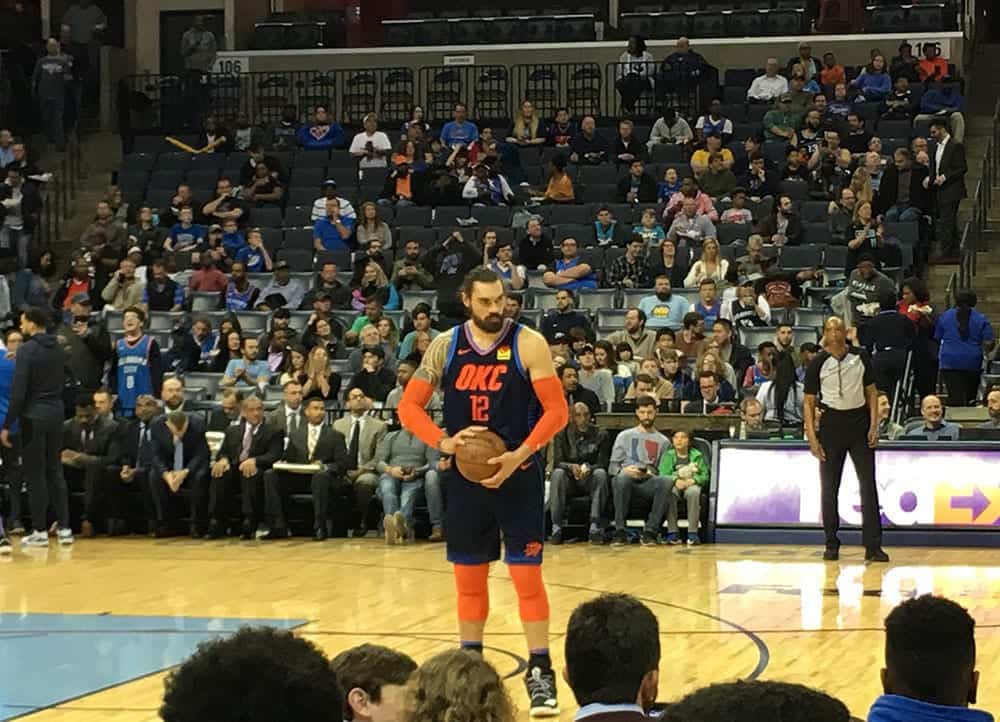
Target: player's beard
(646, 424)
(490, 324)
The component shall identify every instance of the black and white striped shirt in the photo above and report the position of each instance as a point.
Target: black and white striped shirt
(840, 383)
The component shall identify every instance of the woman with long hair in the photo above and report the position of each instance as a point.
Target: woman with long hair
(527, 129)
(457, 686)
(605, 357)
(372, 228)
(321, 380)
(964, 335)
(711, 361)
(295, 366)
(374, 282)
(119, 206)
(416, 118)
(710, 265)
(861, 184)
(782, 396)
(668, 261)
(634, 73)
(863, 236)
(874, 82)
(388, 334)
(320, 333)
(230, 345)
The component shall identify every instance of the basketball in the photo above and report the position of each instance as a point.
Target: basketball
(472, 455)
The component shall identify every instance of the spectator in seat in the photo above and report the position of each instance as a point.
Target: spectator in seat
(147, 235)
(399, 189)
(768, 87)
(265, 189)
(902, 196)
(575, 393)
(686, 471)
(374, 379)
(634, 333)
(327, 284)
(713, 122)
(930, 664)
(691, 340)
(612, 658)
(710, 399)
(225, 205)
(747, 310)
(710, 266)
(634, 73)
(669, 128)
(663, 308)
(832, 72)
(934, 427)
(751, 417)
(866, 287)
(597, 380)
(993, 407)
(435, 695)
(783, 227)
(857, 138)
(840, 215)
(781, 123)
(905, 65)
(322, 134)
(708, 305)
(718, 181)
(932, 68)
(559, 186)
(634, 469)
(964, 334)
(561, 131)
(795, 168)
(564, 317)
(408, 272)
(763, 370)
(283, 291)
(513, 304)
(123, 290)
(459, 132)
(372, 228)
(607, 230)
(105, 237)
(185, 235)
(371, 146)
(638, 186)
(528, 129)
(841, 104)
(730, 352)
(690, 227)
(206, 278)
(254, 254)
(629, 270)
(329, 191)
(363, 434)
(162, 293)
(180, 459)
(701, 157)
(248, 370)
(534, 250)
(86, 452)
(627, 147)
(257, 155)
(874, 82)
(887, 428)
(487, 187)
(407, 468)
(781, 397)
(737, 212)
(588, 147)
(689, 189)
(514, 276)
(760, 181)
(335, 231)
(811, 67)
(775, 701)
(671, 184)
(581, 454)
(944, 102)
(648, 229)
(899, 104)
(665, 261)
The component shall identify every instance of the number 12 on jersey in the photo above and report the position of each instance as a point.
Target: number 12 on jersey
(480, 408)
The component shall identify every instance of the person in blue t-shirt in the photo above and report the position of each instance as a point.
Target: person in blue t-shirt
(964, 334)
(185, 235)
(708, 306)
(11, 456)
(322, 134)
(254, 254)
(459, 132)
(232, 239)
(571, 272)
(335, 232)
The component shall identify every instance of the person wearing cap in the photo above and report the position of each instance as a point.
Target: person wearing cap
(283, 291)
(88, 340)
(769, 86)
(810, 65)
(374, 378)
(334, 232)
(371, 146)
(322, 134)
(77, 282)
(781, 123)
(329, 191)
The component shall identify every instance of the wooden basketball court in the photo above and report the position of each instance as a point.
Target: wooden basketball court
(113, 615)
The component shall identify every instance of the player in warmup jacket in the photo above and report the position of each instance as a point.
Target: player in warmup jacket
(136, 365)
(497, 375)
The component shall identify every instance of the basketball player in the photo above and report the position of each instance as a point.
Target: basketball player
(498, 375)
(137, 367)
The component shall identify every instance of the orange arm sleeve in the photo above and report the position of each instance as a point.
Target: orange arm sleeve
(555, 412)
(414, 416)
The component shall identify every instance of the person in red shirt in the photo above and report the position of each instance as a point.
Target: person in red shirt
(207, 278)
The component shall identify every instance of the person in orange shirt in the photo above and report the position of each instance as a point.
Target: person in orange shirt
(932, 67)
(831, 73)
(560, 185)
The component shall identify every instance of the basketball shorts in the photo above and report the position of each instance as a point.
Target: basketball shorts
(477, 518)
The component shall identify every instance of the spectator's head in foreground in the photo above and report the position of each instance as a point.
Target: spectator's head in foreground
(256, 675)
(373, 679)
(757, 702)
(613, 652)
(457, 686)
(930, 652)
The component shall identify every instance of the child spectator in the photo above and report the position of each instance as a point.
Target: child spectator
(651, 231)
(670, 184)
(738, 213)
(185, 235)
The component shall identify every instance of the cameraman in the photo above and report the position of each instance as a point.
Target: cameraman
(89, 343)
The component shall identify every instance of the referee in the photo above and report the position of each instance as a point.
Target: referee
(843, 381)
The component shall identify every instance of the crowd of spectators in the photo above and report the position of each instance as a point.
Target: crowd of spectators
(613, 656)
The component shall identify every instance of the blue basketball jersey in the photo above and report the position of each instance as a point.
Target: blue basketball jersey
(489, 387)
(134, 377)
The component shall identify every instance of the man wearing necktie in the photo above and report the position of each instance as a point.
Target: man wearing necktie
(132, 452)
(248, 450)
(287, 418)
(180, 460)
(316, 445)
(86, 453)
(363, 434)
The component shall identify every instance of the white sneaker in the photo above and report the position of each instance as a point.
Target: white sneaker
(5, 547)
(35, 539)
(65, 537)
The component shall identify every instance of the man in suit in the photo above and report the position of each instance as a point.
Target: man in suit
(613, 659)
(363, 434)
(288, 417)
(314, 442)
(180, 459)
(248, 450)
(133, 465)
(229, 415)
(947, 180)
(85, 455)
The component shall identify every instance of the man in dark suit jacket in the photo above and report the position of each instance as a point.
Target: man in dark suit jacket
(947, 180)
(899, 203)
(315, 442)
(638, 186)
(85, 455)
(290, 410)
(228, 416)
(180, 459)
(132, 464)
(248, 450)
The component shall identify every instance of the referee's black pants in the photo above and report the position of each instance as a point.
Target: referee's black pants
(842, 433)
